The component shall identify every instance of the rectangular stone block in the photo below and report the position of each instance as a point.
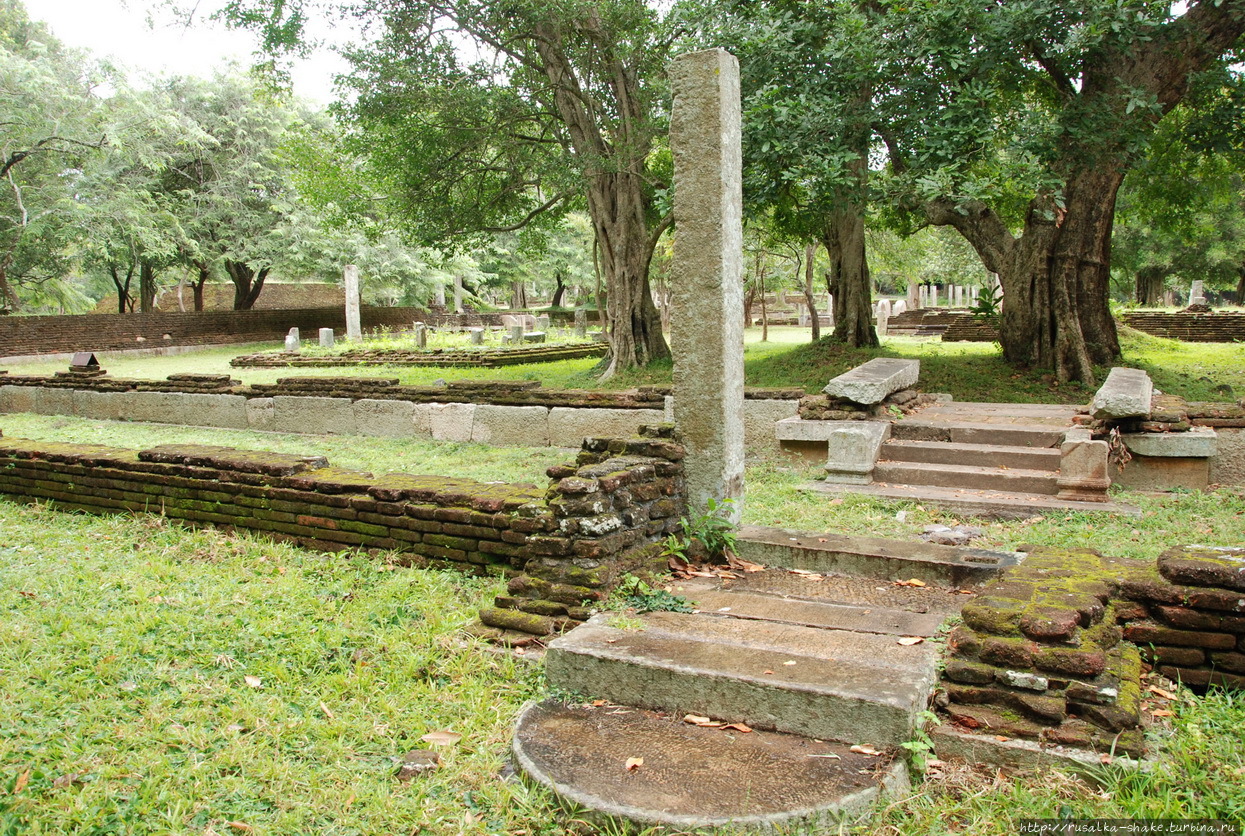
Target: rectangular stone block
(1126, 393)
(53, 401)
(390, 419)
(760, 419)
(872, 382)
(17, 398)
(451, 421)
(261, 415)
(511, 426)
(568, 426)
(324, 416)
(852, 451)
(199, 410)
(102, 406)
(1198, 442)
(1228, 465)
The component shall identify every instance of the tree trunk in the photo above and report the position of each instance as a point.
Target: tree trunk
(11, 303)
(518, 296)
(146, 286)
(1055, 277)
(749, 298)
(849, 280)
(247, 283)
(197, 286)
(810, 253)
(1240, 286)
(617, 206)
(1150, 286)
(123, 288)
(559, 290)
(761, 285)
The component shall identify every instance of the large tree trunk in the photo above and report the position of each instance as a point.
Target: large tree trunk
(247, 283)
(1149, 290)
(197, 287)
(617, 206)
(124, 304)
(518, 296)
(1055, 277)
(10, 304)
(849, 281)
(810, 253)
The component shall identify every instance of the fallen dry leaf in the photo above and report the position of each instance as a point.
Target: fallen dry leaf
(1002, 738)
(599, 703)
(1163, 712)
(22, 781)
(743, 565)
(1167, 695)
(865, 749)
(25, 594)
(908, 641)
(68, 779)
(767, 672)
(240, 826)
(910, 582)
(740, 727)
(1104, 758)
(442, 738)
(634, 763)
(253, 681)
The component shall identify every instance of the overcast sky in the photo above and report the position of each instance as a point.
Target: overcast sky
(120, 29)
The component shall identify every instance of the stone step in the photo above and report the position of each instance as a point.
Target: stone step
(967, 476)
(979, 455)
(695, 777)
(978, 503)
(978, 432)
(827, 684)
(708, 597)
(870, 557)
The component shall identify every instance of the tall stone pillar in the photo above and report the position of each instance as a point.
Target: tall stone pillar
(706, 324)
(458, 294)
(350, 276)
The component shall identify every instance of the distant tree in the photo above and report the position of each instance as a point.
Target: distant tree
(477, 117)
(49, 127)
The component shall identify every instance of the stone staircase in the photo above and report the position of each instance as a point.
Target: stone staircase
(980, 458)
(746, 710)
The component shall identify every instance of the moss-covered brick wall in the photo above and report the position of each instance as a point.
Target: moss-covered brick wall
(1190, 326)
(470, 358)
(1055, 651)
(562, 545)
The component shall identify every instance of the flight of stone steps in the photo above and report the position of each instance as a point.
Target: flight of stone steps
(979, 458)
(786, 693)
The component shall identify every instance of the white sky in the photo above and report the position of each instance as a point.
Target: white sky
(119, 29)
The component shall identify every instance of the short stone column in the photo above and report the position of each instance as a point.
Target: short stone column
(706, 323)
(922, 300)
(933, 296)
(477, 336)
(914, 295)
(1197, 293)
(350, 277)
(581, 323)
(421, 335)
(439, 297)
(516, 334)
(292, 342)
(327, 338)
(458, 294)
(1083, 470)
(883, 323)
(542, 322)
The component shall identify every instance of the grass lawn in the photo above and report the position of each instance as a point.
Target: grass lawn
(155, 679)
(969, 371)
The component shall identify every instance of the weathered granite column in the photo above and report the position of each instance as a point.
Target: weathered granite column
(706, 324)
(350, 277)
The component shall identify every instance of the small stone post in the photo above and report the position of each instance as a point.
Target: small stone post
(581, 323)
(458, 294)
(706, 326)
(1197, 293)
(914, 294)
(516, 334)
(421, 335)
(933, 296)
(883, 322)
(477, 336)
(542, 322)
(439, 299)
(327, 338)
(350, 275)
(292, 342)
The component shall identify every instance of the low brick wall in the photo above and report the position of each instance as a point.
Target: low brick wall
(1054, 652)
(966, 328)
(440, 358)
(1189, 326)
(564, 545)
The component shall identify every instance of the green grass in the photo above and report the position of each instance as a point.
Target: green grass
(969, 371)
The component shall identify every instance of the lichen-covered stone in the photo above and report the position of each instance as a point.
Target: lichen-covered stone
(1222, 568)
(523, 622)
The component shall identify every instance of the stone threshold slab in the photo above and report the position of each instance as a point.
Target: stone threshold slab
(1028, 755)
(980, 503)
(694, 777)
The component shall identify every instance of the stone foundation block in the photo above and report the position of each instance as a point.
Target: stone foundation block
(872, 382)
(17, 398)
(321, 416)
(511, 426)
(568, 426)
(53, 401)
(852, 451)
(1126, 393)
(390, 419)
(260, 414)
(451, 421)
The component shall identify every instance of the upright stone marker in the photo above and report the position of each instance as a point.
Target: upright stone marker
(477, 336)
(421, 335)
(327, 338)
(1197, 293)
(542, 322)
(923, 297)
(458, 294)
(292, 341)
(354, 331)
(933, 296)
(706, 324)
(516, 334)
(914, 295)
(883, 324)
(439, 298)
(581, 323)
